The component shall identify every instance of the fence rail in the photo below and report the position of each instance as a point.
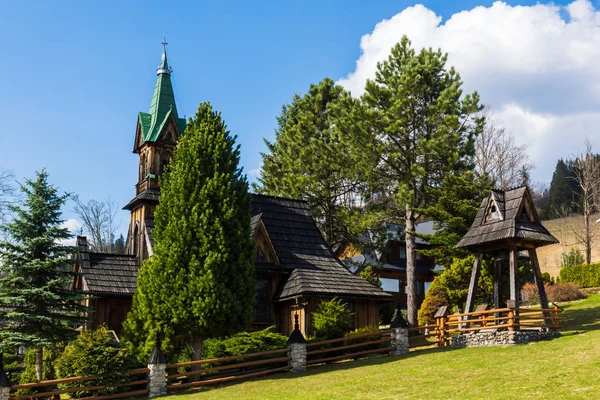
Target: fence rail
(211, 371)
(90, 387)
(511, 319)
(375, 341)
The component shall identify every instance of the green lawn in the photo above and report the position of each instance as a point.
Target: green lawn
(564, 368)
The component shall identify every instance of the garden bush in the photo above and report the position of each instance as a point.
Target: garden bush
(28, 375)
(332, 319)
(366, 340)
(434, 299)
(95, 353)
(245, 343)
(565, 291)
(583, 275)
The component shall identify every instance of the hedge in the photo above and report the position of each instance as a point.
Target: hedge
(584, 275)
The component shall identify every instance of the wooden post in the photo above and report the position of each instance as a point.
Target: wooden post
(441, 316)
(497, 278)
(537, 273)
(473, 283)
(556, 320)
(514, 281)
(511, 315)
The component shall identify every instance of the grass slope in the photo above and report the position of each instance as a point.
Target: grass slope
(564, 368)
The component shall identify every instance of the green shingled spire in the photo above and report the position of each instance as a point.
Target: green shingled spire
(163, 103)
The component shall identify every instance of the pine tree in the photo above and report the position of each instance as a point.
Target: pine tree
(457, 203)
(36, 305)
(119, 245)
(199, 283)
(561, 202)
(412, 127)
(310, 160)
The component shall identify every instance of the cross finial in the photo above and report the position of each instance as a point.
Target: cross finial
(164, 43)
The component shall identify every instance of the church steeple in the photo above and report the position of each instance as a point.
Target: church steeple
(162, 106)
(156, 135)
(164, 68)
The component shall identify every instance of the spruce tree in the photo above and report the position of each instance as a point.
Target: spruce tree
(310, 160)
(199, 283)
(413, 126)
(36, 306)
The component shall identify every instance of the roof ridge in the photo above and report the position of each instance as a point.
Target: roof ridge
(279, 198)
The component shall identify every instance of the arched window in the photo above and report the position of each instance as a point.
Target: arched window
(143, 167)
(135, 240)
(165, 158)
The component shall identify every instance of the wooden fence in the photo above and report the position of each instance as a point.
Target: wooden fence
(192, 374)
(220, 370)
(349, 347)
(137, 386)
(511, 319)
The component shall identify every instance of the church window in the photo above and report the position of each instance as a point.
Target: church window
(135, 241)
(143, 167)
(262, 308)
(164, 160)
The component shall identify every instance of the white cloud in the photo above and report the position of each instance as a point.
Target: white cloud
(74, 226)
(254, 173)
(537, 66)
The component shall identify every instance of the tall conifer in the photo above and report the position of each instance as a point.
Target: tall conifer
(36, 305)
(412, 127)
(199, 282)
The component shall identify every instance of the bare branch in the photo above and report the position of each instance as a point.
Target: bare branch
(98, 218)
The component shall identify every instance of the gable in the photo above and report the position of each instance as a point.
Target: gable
(265, 252)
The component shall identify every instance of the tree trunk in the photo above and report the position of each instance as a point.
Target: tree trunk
(411, 289)
(39, 361)
(588, 232)
(197, 347)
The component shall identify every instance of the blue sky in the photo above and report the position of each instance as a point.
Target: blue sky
(75, 74)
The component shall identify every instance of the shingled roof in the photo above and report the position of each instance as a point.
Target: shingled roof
(506, 218)
(110, 273)
(301, 248)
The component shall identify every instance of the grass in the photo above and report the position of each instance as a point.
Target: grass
(564, 368)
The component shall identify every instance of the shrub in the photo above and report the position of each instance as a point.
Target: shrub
(366, 340)
(434, 299)
(95, 353)
(565, 291)
(530, 294)
(571, 258)
(332, 319)
(583, 275)
(28, 375)
(245, 343)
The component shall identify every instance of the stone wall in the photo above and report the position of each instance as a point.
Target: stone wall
(501, 338)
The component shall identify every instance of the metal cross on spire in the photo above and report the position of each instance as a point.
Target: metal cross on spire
(164, 43)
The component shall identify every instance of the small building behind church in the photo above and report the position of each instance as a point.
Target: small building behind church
(295, 268)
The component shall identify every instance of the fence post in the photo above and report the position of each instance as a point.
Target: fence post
(399, 335)
(157, 373)
(556, 320)
(511, 315)
(297, 348)
(441, 316)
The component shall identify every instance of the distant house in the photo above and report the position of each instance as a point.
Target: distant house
(391, 263)
(295, 268)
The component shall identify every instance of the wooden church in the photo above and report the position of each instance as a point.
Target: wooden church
(295, 268)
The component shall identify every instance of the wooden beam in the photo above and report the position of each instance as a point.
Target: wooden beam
(497, 279)
(473, 283)
(514, 281)
(537, 273)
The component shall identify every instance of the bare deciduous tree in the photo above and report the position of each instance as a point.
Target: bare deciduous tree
(98, 218)
(498, 156)
(6, 191)
(587, 177)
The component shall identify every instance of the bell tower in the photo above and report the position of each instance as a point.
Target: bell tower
(156, 135)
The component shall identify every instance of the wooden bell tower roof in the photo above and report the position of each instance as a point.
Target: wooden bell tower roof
(506, 219)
